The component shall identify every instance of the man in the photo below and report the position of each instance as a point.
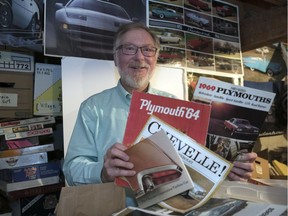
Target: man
(95, 153)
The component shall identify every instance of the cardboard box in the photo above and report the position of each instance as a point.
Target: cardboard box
(16, 95)
(261, 169)
(91, 199)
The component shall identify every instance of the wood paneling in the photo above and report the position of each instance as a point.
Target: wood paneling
(262, 22)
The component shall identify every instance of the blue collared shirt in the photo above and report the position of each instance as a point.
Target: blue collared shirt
(100, 123)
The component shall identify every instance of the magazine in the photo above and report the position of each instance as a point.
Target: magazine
(216, 206)
(237, 115)
(206, 168)
(160, 172)
(192, 118)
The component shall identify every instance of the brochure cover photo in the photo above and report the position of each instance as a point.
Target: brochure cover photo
(237, 115)
(160, 172)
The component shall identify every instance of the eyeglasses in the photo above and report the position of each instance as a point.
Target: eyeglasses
(129, 49)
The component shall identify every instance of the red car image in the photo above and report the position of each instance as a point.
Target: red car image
(199, 5)
(240, 126)
(200, 44)
(224, 11)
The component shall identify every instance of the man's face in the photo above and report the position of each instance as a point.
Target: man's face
(135, 70)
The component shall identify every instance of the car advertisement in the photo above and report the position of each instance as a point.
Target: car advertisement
(200, 35)
(86, 28)
(21, 24)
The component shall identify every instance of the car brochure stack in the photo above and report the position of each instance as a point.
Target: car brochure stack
(237, 115)
(207, 169)
(188, 121)
(30, 166)
(216, 206)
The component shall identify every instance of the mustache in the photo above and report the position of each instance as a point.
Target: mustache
(138, 65)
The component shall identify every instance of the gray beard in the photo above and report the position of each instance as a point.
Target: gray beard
(135, 84)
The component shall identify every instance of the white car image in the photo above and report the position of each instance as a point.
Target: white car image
(23, 14)
(202, 22)
(168, 37)
(89, 25)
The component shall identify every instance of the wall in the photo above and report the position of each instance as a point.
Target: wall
(83, 77)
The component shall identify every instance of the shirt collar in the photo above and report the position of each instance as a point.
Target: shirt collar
(125, 94)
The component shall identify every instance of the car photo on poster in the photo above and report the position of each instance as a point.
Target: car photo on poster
(88, 25)
(165, 12)
(86, 28)
(199, 5)
(20, 22)
(168, 37)
(198, 20)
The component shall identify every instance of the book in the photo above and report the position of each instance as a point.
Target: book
(160, 172)
(23, 160)
(21, 128)
(7, 186)
(34, 191)
(31, 172)
(18, 143)
(206, 168)
(192, 118)
(44, 120)
(27, 150)
(237, 115)
(32, 133)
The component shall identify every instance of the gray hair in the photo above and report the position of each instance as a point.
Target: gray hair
(131, 26)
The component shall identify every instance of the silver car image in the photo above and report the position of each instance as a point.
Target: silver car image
(22, 14)
(88, 26)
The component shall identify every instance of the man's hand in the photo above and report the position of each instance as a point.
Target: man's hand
(243, 167)
(116, 163)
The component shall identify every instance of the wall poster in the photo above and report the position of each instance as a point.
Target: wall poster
(21, 24)
(200, 35)
(86, 28)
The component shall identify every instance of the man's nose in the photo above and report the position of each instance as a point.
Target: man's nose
(139, 54)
